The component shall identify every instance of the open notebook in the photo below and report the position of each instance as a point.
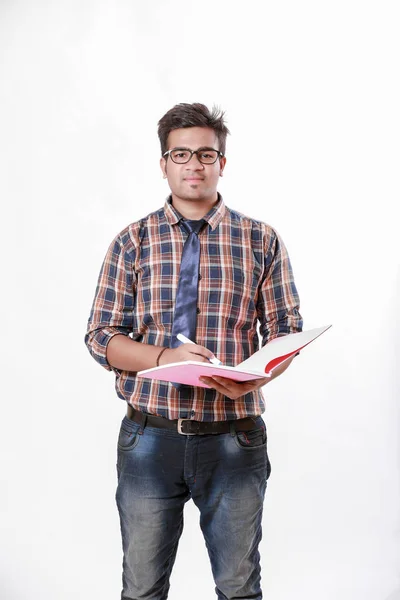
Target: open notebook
(261, 364)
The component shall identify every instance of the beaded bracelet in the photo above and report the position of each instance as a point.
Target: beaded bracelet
(159, 356)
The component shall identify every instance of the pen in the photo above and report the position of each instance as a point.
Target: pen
(185, 340)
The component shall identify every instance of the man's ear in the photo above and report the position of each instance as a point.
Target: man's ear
(163, 165)
(222, 163)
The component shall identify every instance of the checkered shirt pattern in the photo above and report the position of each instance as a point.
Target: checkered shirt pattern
(246, 281)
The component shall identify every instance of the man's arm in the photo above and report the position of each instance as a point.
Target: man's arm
(112, 309)
(127, 355)
(278, 301)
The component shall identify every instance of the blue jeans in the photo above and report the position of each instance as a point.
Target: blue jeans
(225, 475)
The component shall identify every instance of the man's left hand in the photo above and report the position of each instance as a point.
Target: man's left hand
(233, 389)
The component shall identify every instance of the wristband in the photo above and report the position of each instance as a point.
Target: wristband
(159, 356)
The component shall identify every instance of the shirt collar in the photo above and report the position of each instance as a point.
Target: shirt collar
(213, 217)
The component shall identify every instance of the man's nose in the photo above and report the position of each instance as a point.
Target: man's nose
(194, 162)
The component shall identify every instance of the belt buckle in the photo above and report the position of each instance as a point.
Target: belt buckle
(179, 427)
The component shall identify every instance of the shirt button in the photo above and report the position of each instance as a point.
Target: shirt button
(200, 276)
(198, 310)
(192, 413)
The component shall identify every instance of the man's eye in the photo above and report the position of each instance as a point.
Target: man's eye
(180, 154)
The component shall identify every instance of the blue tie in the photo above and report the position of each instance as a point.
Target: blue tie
(185, 315)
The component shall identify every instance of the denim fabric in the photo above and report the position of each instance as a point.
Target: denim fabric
(225, 475)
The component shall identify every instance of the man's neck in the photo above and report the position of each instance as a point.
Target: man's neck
(193, 210)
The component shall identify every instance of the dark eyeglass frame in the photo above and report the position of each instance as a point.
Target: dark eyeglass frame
(204, 148)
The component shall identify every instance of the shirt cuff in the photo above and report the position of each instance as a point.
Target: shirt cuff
(97, 342)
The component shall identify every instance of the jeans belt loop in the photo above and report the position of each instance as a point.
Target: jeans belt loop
(143, 422)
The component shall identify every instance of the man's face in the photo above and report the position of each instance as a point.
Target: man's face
(193, 181)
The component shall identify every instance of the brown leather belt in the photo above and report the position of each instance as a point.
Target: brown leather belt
(190, 427)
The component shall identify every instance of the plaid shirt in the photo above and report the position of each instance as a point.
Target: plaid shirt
(245, 279)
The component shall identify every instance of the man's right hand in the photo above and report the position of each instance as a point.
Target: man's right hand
(126, 354)
(186, 352)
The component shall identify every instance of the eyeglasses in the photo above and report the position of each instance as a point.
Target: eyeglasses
(207, 156)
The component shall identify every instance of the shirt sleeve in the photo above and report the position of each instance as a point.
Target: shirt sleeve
(278, 301)
(114, 301)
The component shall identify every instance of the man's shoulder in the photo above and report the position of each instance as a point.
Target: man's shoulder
(132, 233)
(156, 215)
(245, 221)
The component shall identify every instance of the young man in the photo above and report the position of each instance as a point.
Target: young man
(212, 273)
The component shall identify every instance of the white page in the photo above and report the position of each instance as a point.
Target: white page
(280, 347)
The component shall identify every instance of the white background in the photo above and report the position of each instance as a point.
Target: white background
(311, 94)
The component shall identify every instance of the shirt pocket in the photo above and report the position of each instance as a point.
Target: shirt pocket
(232, 292)
(156, 290)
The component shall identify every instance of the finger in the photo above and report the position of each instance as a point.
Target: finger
(238, 388)
(231, 392)
(229, 387)
(231, 384)
(220, 385)
(203, 352)
(208, 381)
(223, 381)
(199, 357)
(249, 383)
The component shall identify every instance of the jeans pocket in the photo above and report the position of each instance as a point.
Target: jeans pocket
(252, 438)
(129, 435)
